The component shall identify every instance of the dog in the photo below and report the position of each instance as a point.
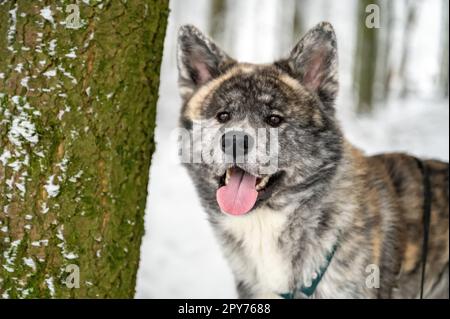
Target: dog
(327, 221)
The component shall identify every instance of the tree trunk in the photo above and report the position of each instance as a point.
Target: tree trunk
(77, 113)
(298, 25)
(443, 76)
(385, 68)
(218, 10)
(411, 17)
(365, 60)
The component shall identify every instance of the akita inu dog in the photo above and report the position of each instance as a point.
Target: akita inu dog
(327, 222)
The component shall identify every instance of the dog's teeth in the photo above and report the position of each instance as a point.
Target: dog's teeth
(262, 183)
(227, 176)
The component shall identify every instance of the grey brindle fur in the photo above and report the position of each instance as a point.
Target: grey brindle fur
(325, 191)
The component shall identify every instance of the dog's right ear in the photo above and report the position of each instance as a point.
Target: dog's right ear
(314, 63)
(199, 60)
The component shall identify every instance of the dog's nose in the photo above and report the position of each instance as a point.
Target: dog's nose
(236, 144)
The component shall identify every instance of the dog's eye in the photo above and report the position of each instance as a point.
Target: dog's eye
(274, 120)
(223, 117)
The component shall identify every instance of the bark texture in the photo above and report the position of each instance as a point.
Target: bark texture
(77, 113)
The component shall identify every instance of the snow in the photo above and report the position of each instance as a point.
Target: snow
(50, 285)
(40, 154)
(70, 255)
(6, 155)
(21, 188)
(44, 208)
(51, 188)
(16, 99)
(19, 67)
(5, 295)
(29, 262)
(10, 255)
(180, 257)
(63, 164)
(22, 128)
(71, 55)
(74, 178)
(38, 243)
(62, 245)
(50, 73)
(12, 27)
(47, 14)
(59, 234)
(24, 81)
(67, 74)
(8, 268)
(416, 126)
(52, 47)
(86, 43)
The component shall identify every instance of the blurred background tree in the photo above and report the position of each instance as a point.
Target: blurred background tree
(443, 79)
(366, 57)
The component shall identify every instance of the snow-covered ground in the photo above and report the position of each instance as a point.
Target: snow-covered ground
(180, 257)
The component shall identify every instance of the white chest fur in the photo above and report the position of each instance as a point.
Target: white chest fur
(262, 264)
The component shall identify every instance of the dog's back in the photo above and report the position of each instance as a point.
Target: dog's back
(400, 179)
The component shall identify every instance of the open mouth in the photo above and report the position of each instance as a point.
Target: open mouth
(239, 190)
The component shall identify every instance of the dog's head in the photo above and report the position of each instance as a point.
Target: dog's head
(258, 131)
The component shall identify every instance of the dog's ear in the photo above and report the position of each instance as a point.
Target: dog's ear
(314, 62)
(199, 60)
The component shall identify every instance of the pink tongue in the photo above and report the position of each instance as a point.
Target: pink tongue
(239, 195)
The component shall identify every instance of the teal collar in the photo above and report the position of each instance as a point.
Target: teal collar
(309, 290)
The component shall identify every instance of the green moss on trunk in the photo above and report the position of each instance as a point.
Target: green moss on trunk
(77, 115)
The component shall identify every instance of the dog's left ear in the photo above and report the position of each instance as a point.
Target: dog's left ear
(314, 62)
(199, 60)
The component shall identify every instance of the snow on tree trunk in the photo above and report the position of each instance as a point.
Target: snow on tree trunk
(77, 114)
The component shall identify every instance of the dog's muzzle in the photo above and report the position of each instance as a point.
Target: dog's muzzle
(237, 144)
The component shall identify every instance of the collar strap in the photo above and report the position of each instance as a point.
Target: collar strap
(309, 290)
